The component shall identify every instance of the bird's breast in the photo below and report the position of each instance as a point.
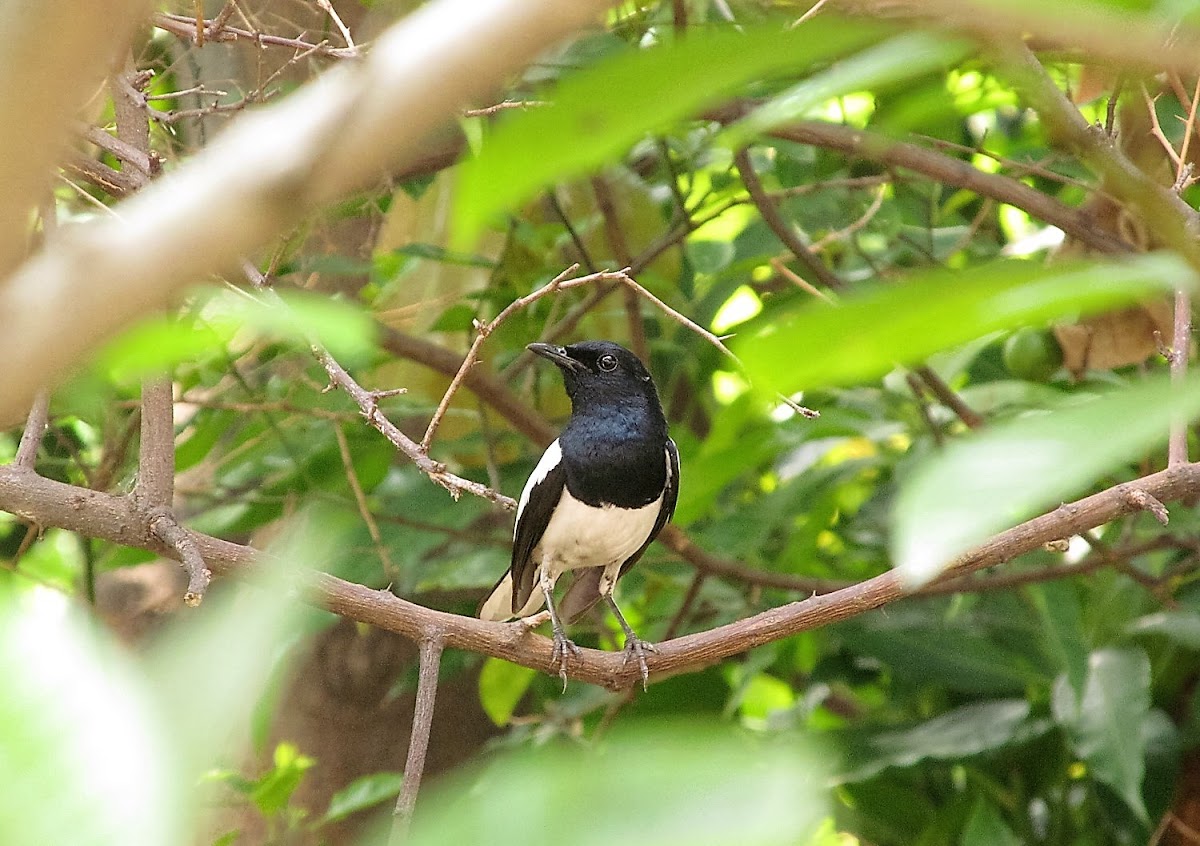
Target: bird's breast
(582, 535)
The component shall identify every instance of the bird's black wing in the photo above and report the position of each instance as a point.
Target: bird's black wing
(538, 500)
(670, 498)
(584, 591)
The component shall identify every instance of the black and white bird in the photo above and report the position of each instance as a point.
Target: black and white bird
(600, 494)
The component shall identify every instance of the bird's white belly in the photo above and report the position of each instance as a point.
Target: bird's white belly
(580, 535)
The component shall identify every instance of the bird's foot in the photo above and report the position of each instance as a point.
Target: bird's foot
(558, 655)
(637, 649)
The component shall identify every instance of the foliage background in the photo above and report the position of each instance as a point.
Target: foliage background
(886, 236)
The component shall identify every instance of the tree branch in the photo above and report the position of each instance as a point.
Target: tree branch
(782, 229)
(95, 514)
(64, 48)
(261, 176)
(859, 143)
(430, 651)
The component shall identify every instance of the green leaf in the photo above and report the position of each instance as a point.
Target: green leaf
(872, 331)
(599, 112)
(274, 790)
(954, 736)
(901, 58)
(658, 782)
(986, 827)
(86, 758)
(1061, 632)
(344, 329)
(1182, 627)
(159, 344)
(995, 479)
(363, 793)
(1105, 725)
(501, 686)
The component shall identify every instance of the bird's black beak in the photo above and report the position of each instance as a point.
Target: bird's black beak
(558, 355)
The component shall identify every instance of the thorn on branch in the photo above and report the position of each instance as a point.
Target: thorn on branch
(1146, 502)
(163, 526)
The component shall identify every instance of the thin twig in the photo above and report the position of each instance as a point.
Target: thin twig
(327, 7)
(619, 244)
(821, 244)
(368, 404)
(35, 429)
(430, 651)
(360, 499)
(163, 526)
(947, 396)
(483, 330)
(185, 27)
(782, 229)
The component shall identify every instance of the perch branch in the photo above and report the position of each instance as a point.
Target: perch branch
(35, 429)
(96, 514)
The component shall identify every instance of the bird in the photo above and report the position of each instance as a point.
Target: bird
(602, 491)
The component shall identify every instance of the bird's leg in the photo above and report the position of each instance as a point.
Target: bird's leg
(634, 646)
(562, 643)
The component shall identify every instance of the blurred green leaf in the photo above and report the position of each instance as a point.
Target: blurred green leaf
(953, 736)
(363, 793)
(871, 332)
(1182, 627)
(986, 827)
(85, 755)
(600, 111)
(501, 686)
(900, 58)
(1105, 725)
(659, 784)
(344, 329)
(995, 479)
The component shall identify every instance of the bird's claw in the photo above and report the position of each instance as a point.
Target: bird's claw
(558, 655)
(637, 648)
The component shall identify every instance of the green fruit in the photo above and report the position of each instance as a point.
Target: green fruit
(1032, 354)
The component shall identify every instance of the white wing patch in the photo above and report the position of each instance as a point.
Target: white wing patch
(550, 459)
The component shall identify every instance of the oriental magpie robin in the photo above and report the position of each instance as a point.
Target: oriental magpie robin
(600, 494)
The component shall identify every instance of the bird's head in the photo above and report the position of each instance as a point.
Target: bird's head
(598, 370)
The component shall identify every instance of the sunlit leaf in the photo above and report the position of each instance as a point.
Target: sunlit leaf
(904, 57)
(872, 331)
(658, 783)
(501, 686)
(1105, 725)
(597, 113)
(995, 479)
(86, 759)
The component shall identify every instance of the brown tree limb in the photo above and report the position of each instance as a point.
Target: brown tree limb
(53, 504)
(859, 143)
(430, 652)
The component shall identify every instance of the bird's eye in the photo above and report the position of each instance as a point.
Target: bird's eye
(608, 363)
